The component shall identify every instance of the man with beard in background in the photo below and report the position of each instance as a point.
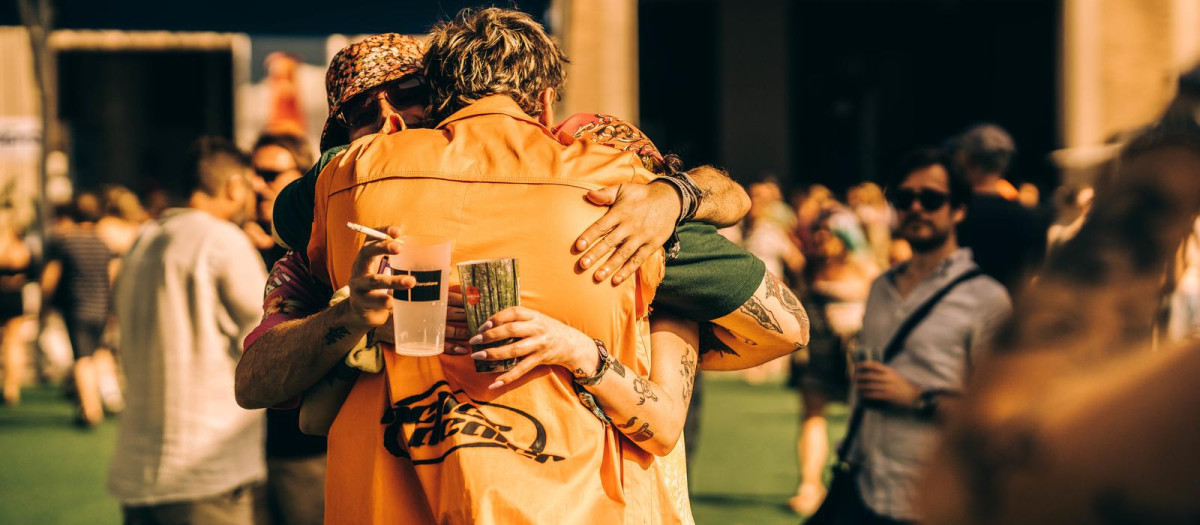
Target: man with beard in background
(926, 323)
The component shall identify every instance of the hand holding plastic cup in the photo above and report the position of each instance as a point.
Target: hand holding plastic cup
(419, 314)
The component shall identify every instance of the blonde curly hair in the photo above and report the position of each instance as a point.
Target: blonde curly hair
(492, 51)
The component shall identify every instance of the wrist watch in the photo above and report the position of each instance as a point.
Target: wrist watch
(601, 366)
(926, 404)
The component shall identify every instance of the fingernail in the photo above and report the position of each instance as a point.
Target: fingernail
(479, 355)
(458, 350)
(618, 279)
(476, 340)
(585, 262)
(600, 275)
(581, 245)
(496, 385)
(485, 327)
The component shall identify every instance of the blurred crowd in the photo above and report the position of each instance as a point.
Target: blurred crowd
(61, 329)
(829, 250)
(844, 284)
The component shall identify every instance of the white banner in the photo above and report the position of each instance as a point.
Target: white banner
(20, 137)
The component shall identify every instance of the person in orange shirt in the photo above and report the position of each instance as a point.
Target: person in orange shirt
(725, 352)
(454, 439)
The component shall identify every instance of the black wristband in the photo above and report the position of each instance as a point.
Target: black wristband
(689, 194)
(926, 406)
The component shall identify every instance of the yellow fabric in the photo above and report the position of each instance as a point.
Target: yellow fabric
(500, 185)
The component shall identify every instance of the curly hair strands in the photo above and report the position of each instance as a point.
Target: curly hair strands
(491, 52)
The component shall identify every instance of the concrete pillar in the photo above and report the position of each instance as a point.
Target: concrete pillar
(20, 126)
(1120, 59)
(600, 38)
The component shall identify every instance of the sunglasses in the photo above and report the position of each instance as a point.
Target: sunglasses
(270, 175)
(363, 109)
(930, 200)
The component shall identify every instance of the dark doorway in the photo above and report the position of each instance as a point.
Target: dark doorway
(678, 77)
(873, 79)
(129, 116)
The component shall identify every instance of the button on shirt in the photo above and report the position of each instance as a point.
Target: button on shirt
(892, 446)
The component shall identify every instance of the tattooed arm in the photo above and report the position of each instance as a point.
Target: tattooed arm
(723, 202)
(770, 324)
(323, 401)
(649, 410)
(292, 356)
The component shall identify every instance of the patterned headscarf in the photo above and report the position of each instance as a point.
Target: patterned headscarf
(363, 66)
(615, 133)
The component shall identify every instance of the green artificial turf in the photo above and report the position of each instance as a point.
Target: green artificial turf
(744, 468)
(743, 471)
(50, 470)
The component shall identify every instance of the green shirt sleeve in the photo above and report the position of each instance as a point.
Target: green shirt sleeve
(710, 277)
(293, 212)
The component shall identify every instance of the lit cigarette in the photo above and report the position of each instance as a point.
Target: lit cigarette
(369, 232)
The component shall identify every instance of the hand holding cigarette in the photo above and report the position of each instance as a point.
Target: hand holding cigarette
(370, 300)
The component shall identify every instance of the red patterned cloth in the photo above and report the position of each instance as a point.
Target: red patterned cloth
(613, 132)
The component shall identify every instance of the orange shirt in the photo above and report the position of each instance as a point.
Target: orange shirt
(427, 441)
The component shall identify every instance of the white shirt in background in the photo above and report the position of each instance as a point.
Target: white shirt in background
(188, 292)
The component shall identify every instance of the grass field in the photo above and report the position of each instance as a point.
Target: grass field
(744, 467)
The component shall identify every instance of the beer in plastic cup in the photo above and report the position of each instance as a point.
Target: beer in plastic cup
(489, 286)
(419, 314)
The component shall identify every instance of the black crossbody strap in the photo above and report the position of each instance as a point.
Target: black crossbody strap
(895, 345)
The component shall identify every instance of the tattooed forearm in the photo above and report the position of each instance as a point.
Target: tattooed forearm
(789, 301)
(786, 298)
(709, 342)
(755, 308)
(642, 388)
(688, 372)
(772, 285)
(617, 367)
(335, 334)
(641, 434)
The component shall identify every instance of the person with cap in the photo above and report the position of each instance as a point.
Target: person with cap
(585, 128)
(362, 83)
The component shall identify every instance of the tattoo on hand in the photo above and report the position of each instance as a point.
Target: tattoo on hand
(642, 388)
(616, 366)
(754, 308)
(709, 342)
(335, 334)
(688, 372)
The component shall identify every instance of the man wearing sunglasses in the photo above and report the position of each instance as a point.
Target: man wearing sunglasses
(903, 394)
(363, 84)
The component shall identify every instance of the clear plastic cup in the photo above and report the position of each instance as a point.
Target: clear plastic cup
(419, 314)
